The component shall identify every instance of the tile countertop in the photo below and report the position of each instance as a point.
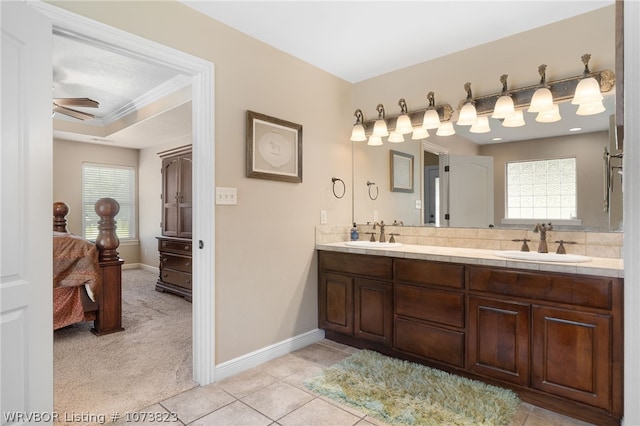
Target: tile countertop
(598, 266)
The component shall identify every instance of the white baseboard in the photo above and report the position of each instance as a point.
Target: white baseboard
(147, 268)
(253, 359)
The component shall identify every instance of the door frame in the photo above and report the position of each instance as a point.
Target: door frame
(203, 141)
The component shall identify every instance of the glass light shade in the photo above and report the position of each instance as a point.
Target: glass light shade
(587, 92)
(419, 133)
(446, 129)
(357, 133)
(514, 120)
(468, 115)
(380, 129)
(591, 108)
(374, 141)
(503, 108)
(481, 125)
(549, 116)
(395, 137)
(431, 119)
(542, 100)
(403, 125)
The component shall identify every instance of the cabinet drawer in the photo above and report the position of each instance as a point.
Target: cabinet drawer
(430, 342)
(172, 261)
(181, 279)
(174, 246)
(432, 273)
(372, 266)
(430, 305)
(580, 290)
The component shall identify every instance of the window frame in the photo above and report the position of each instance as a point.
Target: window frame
(532, 220)
(90, 218)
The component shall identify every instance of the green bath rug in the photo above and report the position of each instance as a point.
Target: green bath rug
(405, 393)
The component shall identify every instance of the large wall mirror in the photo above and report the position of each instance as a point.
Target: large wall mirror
(461, 180)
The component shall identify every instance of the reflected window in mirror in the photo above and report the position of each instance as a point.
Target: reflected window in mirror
(542, 190)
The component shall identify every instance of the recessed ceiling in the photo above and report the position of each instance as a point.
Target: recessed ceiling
(351, 39)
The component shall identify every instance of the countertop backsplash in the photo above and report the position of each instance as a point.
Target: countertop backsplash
(587, 243)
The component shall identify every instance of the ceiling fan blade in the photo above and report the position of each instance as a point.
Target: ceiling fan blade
(72, 112)
(76, 102)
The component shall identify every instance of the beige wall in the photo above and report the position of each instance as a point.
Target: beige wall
(266, 278)
(68, 157)
(558, 45)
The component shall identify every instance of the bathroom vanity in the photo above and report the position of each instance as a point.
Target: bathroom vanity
(551, 332)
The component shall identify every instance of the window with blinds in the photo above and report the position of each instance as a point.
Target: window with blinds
(117, 182)
(542, 189)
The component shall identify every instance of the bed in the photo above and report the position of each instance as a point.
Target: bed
(87, 276)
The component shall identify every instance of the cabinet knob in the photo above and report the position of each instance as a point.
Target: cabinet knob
(187, 281)
(165, 275)
(164, 260)
(187, 264)
(164, 244)
(187, 247)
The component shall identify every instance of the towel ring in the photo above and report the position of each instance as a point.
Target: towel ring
(344, 187)
(370, 184)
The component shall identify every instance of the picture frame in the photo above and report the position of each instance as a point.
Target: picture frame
(401, 171)
(274, 148)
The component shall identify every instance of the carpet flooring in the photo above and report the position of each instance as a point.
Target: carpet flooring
(405, 393)
(147, 362)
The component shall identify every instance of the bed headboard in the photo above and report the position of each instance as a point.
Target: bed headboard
(107, 240)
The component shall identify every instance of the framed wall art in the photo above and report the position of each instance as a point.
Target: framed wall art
(274, 148)
(401, 171)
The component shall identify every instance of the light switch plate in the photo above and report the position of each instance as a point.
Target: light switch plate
(418, 204)
(226, 196)
(323, 217)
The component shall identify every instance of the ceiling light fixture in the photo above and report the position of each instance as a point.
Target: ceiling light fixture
(504, 105)
(468, 115)
(542, 99)
(431, 119)
(403, 124)
(357, 133)
(380, 127)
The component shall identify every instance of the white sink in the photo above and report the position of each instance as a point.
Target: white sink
(542, 257)
(372, 244)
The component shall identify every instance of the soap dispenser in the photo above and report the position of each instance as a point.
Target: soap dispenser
(354, 233)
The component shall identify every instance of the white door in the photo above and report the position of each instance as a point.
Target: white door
(26, 294)
(468, 185)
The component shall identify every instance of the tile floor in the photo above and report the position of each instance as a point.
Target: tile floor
(274, 394)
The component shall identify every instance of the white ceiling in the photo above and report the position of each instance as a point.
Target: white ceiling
(354, 40)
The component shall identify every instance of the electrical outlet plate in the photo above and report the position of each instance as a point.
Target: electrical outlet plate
(226, 196)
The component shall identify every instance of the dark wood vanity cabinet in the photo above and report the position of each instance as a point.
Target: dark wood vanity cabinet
(430, 310)
(356, 296)
(555, 333)
(555, 338)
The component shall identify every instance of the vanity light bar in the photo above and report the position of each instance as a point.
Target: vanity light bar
(444, 112)
(561, 90)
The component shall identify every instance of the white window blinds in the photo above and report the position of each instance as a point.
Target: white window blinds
(117, 182)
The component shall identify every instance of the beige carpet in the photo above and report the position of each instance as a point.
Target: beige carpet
(147, 362)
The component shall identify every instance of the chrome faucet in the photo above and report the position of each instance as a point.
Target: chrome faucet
(542, 229)
(381, 225)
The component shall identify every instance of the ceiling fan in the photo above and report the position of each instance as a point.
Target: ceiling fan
(62, 105)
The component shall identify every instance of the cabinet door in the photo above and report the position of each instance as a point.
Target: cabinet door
(571, 356)
(185, 198)
(170, 196)
(373, 309)
(499, 339)
(335, 299)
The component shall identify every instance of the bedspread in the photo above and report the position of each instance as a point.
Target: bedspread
(75, 263)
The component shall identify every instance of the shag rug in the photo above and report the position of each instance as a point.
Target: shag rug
(130, 370)
(405, 393)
